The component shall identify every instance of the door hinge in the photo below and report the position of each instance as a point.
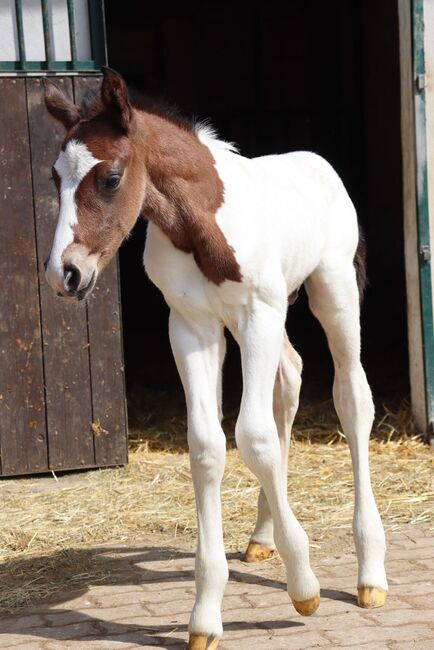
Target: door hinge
(421, 82)
(425, 252)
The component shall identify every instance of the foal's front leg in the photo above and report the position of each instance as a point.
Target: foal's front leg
(198, 346)
(260, 336)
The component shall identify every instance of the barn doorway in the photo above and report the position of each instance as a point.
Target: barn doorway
(274, 78)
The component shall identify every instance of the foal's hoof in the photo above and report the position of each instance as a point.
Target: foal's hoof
(370, 597)
(307, 607)
(257, 553)
(202, 642)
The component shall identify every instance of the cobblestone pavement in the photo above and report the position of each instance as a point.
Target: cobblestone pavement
(150, 594)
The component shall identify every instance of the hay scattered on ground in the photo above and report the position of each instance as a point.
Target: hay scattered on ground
(153, 496)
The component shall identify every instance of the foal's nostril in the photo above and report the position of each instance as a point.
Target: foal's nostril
(46, 263)
(72, 277)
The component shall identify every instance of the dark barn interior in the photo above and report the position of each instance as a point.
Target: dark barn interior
(274, 78)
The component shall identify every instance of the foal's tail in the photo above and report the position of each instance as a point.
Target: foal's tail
(360, 265)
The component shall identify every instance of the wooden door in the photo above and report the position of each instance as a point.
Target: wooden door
(62, 396)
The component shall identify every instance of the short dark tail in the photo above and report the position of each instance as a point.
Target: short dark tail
(360, 265)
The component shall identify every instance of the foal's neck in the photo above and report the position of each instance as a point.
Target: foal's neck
(183, 194)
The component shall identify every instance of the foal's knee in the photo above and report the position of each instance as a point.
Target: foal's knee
(258, 444)
(207, 448)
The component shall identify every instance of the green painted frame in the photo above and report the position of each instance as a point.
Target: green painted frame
(424, 234)
(97, 36)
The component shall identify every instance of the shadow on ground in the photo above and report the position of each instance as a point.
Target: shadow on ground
(117, 566)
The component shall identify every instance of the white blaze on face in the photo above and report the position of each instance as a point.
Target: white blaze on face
(72, 166)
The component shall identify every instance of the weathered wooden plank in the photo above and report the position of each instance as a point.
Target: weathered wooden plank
(417, 380)
(107, 371)
(64, 325)
(22, 414)
(106, 356)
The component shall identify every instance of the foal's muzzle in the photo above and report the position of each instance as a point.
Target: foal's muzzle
(74, 275)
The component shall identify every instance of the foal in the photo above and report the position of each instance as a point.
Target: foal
(229, 239)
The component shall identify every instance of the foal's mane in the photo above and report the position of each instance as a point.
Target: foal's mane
(92, 106)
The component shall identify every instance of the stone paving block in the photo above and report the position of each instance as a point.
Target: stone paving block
(19, 623)
(166, 585)
(425, 601)
(366, 646)
(403, 590)
(411, 540)
(417, 553)
(339, 621)
(101, 590)
(140, 598)
(61, 633)
(385, 617)
(428, 644)
(253, 615)
(339, 561)
(118, 613)
(263, 600)
(13, 640)
(376, 634)
(124, 642)
(257, 641)
(426, 563)
(23, 646)
(113, 599)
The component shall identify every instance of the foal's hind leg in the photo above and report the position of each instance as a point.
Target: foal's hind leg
(285, 404)
(334, 299)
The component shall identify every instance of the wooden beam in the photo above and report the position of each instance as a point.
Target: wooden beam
(415, 343)
(429, 114)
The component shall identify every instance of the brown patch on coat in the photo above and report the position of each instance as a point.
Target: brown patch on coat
(183, 195)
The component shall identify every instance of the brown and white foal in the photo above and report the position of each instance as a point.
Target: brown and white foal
(229, 239)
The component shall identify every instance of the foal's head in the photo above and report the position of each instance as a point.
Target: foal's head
(100, 182)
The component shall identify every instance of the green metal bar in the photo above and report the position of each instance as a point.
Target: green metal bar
(20, 32)
(97, 32)
(49, 52)
(71, 21)
(424, 235)
(34, 66)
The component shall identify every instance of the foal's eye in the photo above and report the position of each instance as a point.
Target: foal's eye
(112, 183)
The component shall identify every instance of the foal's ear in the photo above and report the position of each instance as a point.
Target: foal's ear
(59, 106)
(114, 94)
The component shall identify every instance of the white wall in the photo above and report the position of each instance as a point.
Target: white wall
(33, 32)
